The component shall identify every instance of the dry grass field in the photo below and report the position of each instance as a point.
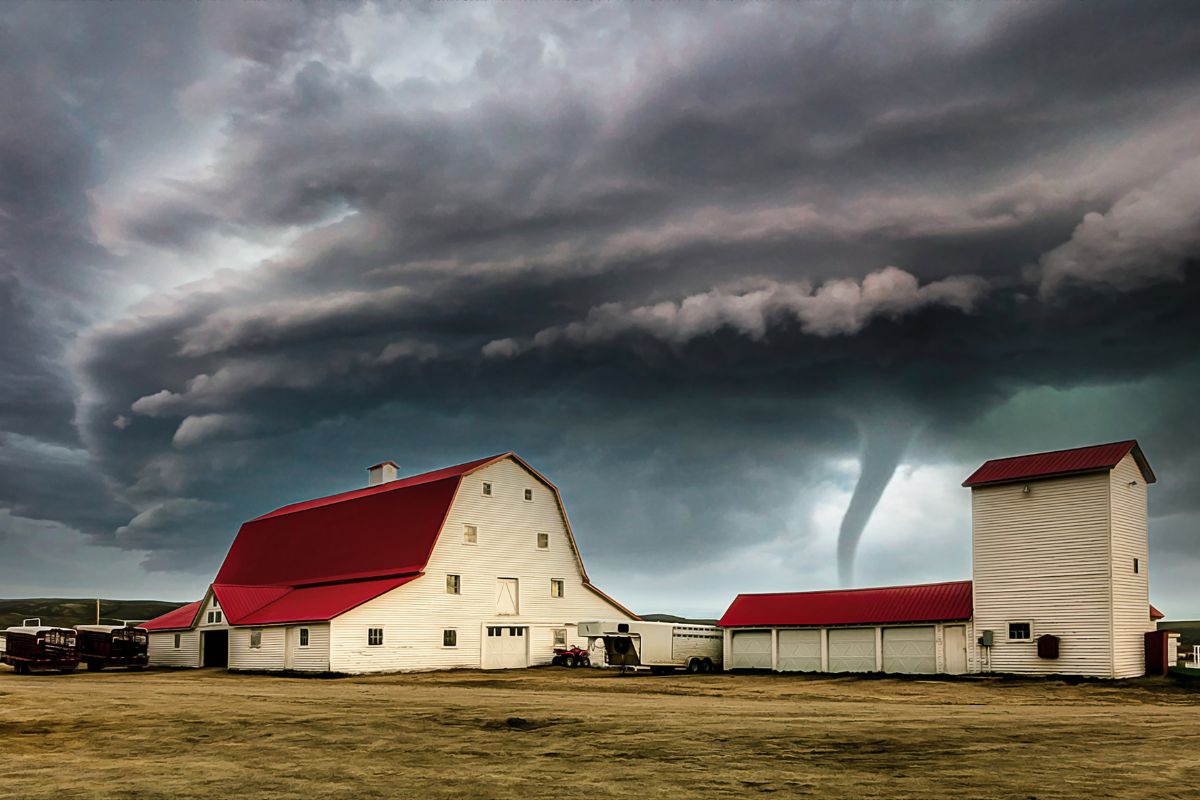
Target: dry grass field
(591, 734)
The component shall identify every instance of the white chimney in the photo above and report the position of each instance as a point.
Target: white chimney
(381, 473)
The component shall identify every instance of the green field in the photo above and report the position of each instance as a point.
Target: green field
(70, 612)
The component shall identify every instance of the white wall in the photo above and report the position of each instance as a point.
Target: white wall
(1131, 591)
(163, 653)
(1043, 557)
(414, 616)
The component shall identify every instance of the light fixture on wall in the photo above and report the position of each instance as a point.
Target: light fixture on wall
(1025, 489)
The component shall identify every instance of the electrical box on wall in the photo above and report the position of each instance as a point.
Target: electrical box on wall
(985, 638)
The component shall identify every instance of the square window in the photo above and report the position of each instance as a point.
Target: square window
(449, 638)
(487, 489)
(560, 637)
(556, 587)
(543, 540)
(177, 640)
(1020, 631)
(210, 616)
(453, 584)
(529, 495)
(374, 637)
(304, 637)
(218, 613)
(256, 639)
(1136, 566)
(470, 534)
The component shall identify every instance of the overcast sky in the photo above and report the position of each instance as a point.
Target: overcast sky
(704, 265)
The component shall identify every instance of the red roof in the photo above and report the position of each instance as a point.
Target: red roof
(1096, 458)
(181, 617)
(930, 602)
(1155, 613)
(317, 559)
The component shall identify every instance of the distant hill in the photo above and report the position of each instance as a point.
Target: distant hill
(68, 611)
(1189, 630)
(679, 620)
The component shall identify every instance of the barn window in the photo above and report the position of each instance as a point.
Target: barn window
(178, 638)
(487, 489)
(256, 639)
(556, 587)
(470, 534)
(560, 637)
(218, 615)
(543, 540)
(1136, 566)
(1020, 631)
(494, 630)
(453, 584)
(516, 631)
(529, 495)
(304, 637)
(374, 637)
(449, 638)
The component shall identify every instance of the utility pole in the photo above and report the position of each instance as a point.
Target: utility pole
(97, 610)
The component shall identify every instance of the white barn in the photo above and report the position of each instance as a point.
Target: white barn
(469, 566)
(1059, 585)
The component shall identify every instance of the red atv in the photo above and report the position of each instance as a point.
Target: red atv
(571, 657)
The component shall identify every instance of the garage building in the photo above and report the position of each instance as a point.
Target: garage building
(912, 629)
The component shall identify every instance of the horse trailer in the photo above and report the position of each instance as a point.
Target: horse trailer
(660, 646)
(103, 646)
(36, 648)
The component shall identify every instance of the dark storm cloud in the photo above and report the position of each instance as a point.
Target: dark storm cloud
(682, 257)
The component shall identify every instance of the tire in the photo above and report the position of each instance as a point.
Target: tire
(67, 670)
(694, 666)
(569, 661)
(556, 661)
(95, 666)
(706, 666)
(585, 661)
(21, 669)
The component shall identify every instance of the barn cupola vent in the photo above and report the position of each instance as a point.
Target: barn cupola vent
(383, 472)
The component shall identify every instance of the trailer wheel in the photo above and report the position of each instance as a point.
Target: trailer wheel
(706, 665)
(694, 666)
(95, 666)
(21, 669)
(67, 670)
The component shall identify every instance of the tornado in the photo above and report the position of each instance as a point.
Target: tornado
(884, 443)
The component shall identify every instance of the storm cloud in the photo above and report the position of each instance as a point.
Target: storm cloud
(708, 266)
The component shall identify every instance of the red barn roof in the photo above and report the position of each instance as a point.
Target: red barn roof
(316, 559)
(1096, 458)
(181, 617)
(930, 602)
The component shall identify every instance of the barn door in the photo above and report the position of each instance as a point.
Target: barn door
(507, 596)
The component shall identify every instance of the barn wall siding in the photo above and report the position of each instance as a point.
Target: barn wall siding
(1043, 556)
(163, 653)
(1130, 590)
(415, 615)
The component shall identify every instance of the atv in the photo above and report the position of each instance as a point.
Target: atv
(571, 657)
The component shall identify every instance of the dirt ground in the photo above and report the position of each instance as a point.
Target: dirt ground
(591, 734)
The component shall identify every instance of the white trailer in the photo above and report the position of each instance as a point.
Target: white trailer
(660, 646)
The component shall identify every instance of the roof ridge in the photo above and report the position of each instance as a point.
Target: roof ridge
(1062, 450)
(857, 589)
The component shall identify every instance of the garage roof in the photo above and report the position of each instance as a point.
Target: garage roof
(1078, 460)
(929, 602)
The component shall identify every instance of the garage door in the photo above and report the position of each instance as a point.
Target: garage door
(751, 650)
(799, 651)
(505, 647)
(852, 650)
(911, 650)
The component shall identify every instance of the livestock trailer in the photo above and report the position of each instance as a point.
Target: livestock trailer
(30, 648)
(660, 646)
(103, 646)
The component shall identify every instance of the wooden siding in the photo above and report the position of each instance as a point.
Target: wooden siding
(315, 657)
(1043, 556)
(415, 615)
(268, 656)
(1130, 590)
(163, 653)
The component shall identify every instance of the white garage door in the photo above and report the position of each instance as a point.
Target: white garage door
(799, 651)
(505, 647)
(852, 650)
(911, 650)
(751, 650)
